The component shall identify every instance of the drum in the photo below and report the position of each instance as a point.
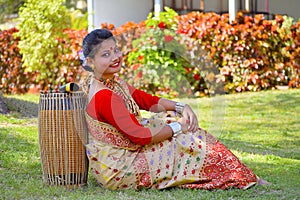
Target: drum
(63, 135)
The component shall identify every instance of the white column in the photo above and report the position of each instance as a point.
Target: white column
(157, 7)
(91, 11)
(247, 5)
(232, 10)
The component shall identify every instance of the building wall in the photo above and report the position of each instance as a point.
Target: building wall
(119, 12)
(283, 7)
(288, 7)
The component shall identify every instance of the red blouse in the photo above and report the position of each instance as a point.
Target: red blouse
(110, 108)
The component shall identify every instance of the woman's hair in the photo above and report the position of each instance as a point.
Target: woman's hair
(93, 40)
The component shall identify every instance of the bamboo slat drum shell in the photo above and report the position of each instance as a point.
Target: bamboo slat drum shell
(62, 138)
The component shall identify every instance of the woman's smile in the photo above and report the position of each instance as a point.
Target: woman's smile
(115, 65)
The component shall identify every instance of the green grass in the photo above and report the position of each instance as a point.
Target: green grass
(262, 129)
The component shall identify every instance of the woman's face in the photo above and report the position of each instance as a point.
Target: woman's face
(107, 60)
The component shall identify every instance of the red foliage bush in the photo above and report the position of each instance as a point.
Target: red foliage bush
(13, 77)
(15, 80)
(70, 69)
(295, 56)
(249, 54)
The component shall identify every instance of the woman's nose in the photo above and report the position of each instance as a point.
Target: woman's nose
(116, 56)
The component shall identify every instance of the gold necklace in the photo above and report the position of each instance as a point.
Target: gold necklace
(110, 83)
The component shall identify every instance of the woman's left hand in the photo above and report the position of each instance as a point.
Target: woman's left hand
(191, 118)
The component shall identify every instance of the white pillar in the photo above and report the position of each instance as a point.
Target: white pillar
(247, 5)
(157, 7)
(91, 12)
(232, 10)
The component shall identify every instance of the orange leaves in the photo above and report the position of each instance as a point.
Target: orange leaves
(279, 20)
(107, 26)
(248, 51)
(13, 77)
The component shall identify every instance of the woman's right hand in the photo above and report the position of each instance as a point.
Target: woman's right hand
(191, 118)
(184, 124)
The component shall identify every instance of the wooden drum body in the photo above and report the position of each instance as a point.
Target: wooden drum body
(62, 137)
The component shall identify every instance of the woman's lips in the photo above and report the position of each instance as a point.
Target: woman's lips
(115, 65)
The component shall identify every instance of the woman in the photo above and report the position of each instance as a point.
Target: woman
(126, 151)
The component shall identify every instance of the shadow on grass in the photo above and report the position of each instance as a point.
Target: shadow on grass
(283, 185)
(24, 108)
(284, 150)
(290, 98)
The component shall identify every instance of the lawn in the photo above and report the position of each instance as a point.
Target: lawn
(262, 129)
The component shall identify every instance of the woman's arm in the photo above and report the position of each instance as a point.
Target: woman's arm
(107, 107)
(161, 133)
(189, 118)
(155, 104)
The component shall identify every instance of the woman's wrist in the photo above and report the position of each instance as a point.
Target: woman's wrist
(176, 128)
(179, 106)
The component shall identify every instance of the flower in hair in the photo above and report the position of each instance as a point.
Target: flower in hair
(84, 62)
(81, 56)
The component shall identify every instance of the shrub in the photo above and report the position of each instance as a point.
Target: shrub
(251, 53)
(41, 26)
(201, 50)
(70, 69)
(13, 77)
(158, 58)
(79, 21)
(294, 50)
